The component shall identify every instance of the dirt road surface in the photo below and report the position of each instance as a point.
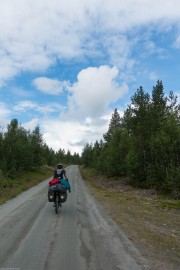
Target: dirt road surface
(82, 236)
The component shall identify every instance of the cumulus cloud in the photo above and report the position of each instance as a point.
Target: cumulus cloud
(90, 96)
(96, 88)
(36, 35)
(31, 125)
(72, 135)
(87, 117)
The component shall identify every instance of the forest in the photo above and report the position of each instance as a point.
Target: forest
(22, 150)
(143, 146)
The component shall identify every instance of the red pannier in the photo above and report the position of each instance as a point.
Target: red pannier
(54, 182)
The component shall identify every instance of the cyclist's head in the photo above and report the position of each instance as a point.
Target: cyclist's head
(59, 166)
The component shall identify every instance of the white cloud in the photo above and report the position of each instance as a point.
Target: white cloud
(71, 135)
(177, 42)
(95, 89)
(153, 76)
(88, 114)
(74, 134)
(25, 105)
(4, 114)
(92, 95)
(36, 35)
(178, 97)
(31, 125)
(44, 109)
(7, 69)
(33, 35)
(118, 48)
(50, 86)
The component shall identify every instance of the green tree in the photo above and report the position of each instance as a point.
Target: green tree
(137, 121)
(37, 147)
(164, 170)
(114, 123)
(87, 155)
(60, 156)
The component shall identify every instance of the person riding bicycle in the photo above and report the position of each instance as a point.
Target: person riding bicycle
(60, 172)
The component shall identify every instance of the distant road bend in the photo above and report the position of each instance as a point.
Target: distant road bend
(82, 236)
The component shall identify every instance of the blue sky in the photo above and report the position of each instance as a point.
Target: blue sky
(66, 65)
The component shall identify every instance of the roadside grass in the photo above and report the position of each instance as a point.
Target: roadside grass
(10, 188)
(150, 220)
(170, 204)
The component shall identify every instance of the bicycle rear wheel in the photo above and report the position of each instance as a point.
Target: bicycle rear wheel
(56, 204)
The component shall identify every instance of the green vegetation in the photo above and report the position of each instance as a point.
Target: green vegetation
(25, 159)
(170, 204)
(150, 220)
(11, 187)
(22, 151)
(143, 145)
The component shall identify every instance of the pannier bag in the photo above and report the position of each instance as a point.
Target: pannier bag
(58, 187)
(63, 197)
(50, 195)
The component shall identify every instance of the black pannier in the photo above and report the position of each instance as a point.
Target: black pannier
(58, 187)
(50, 195)
(63, 197)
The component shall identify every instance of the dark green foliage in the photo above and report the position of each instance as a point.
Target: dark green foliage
(22, 150)
(114, 123)
(87, 155)
(144, 145)
(16, 155)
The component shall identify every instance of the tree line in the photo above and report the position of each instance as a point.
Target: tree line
(143, 145)
(23, 150)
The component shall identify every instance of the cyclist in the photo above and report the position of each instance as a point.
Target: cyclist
(60, 172)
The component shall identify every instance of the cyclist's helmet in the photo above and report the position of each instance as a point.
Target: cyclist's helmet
(59, 166)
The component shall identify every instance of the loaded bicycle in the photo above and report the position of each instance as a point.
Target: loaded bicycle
(57, 192)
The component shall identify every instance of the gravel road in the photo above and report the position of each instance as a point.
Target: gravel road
(82, 236)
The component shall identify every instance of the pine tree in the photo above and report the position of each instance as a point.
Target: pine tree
(136, 122)
(37, 147)
(114, 123)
